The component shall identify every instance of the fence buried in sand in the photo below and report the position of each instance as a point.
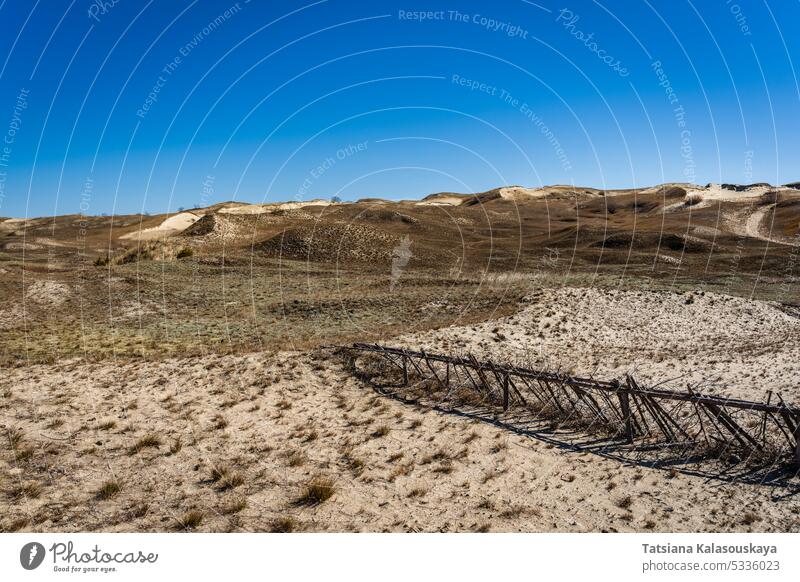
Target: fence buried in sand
(697, 426)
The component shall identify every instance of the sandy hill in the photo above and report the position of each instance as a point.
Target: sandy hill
(509, 225)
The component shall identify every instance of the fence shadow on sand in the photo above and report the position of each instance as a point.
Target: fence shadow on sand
(707, 436)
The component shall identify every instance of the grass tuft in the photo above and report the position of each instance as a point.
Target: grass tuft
(109, 489)
(283, 525)
(296, 458)
(381, 431)
(234, 506)
(15, 436)
(176, 446)
(190, 520)
(26, 491)
(147, 441)
(624, 502)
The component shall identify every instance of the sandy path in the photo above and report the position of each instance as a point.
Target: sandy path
(754, 228)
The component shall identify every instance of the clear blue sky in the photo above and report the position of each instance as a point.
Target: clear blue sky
(135, 105)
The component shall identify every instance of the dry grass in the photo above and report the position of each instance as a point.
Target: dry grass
(234, 506)
(225, 478)
(15, 525)
(624, 502)
(381, 431)
(25, 491)
(55, 423)
(109, 489)
(317, 491)
(147, 441)
(15, 437)
(176, 446)
(749, 518)
(296, 458)
(189, 520)
(283, 525)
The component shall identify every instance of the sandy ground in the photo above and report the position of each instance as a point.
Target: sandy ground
(716, 193)
(230, 443)
(270, 208)
(722, 344)
(173, 225)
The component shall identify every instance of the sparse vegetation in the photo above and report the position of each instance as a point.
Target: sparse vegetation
(25, 491)
(15, 436)
(147, 441)
(176, 446)
(226, 478)
(693, 199)
(283, 525)
(624, 502)
(296, 458)
(190, 520)
(15, 525)
(317, 491)
(234, 506)
(109, 489)
(171, 351)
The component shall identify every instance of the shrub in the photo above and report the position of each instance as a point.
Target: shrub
(102, 261)
(184, 253)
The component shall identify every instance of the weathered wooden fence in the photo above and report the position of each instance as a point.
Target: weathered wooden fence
(728, 428)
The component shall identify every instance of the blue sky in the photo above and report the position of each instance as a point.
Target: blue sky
(130, 106)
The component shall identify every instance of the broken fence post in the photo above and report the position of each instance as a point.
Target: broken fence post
(625, 404)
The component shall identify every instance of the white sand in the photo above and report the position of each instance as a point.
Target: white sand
(430, 472)
(270, 208)
(173, 225)
(738, 347)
